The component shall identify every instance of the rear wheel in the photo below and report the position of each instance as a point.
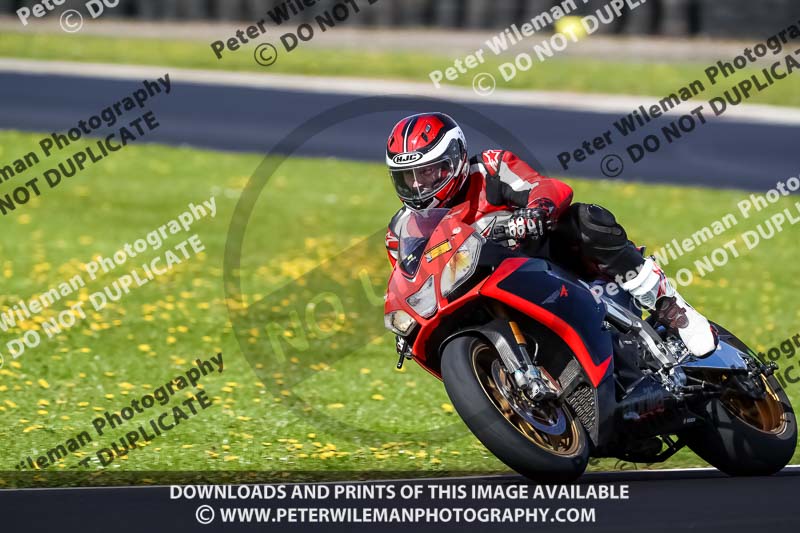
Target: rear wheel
(747, 436)
(542, 441)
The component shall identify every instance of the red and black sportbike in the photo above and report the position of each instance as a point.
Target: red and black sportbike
(547, 372)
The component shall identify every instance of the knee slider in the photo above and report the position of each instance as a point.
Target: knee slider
(599, 227)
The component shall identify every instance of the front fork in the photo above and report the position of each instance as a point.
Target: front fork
(528, 376)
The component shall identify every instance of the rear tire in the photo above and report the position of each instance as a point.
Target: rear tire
(746, 437)
(465, 379)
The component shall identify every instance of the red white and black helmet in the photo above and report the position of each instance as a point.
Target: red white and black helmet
(427, 159)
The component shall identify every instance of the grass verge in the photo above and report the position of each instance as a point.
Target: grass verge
(583, 76)
(395, 420)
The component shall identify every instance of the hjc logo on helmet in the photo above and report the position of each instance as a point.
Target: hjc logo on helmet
(406, 158)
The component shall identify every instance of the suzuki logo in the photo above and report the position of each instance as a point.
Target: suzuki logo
(406, 158)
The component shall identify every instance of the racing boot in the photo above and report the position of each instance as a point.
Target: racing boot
(653, 291)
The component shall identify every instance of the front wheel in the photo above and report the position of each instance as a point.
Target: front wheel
(541, 441)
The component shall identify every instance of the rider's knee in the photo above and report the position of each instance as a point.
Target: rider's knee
(599, 228)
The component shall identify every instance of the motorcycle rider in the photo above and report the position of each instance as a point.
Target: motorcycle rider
(430, 167)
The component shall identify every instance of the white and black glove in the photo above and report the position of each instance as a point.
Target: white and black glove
(531, 224)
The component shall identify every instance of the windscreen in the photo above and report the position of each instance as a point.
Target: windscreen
(414, 232)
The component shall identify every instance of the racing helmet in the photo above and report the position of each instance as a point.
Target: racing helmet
(427, 159)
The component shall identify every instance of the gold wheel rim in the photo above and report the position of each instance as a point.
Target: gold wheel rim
(766, 414)
(565, 444)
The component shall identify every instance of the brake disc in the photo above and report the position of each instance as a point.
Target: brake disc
(555, 424)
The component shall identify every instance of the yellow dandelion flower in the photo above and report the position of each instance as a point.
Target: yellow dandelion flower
(144, 347)
(447, 408)
(335, 405)
(365, 371)
(378, 397)
(43, 383)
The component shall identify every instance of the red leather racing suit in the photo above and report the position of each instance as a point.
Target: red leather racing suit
(498, 181)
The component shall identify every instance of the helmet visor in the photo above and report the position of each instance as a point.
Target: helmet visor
(421, 183)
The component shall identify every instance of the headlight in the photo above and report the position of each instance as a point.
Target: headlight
(461, 266)
(399, 322)
(423, 302)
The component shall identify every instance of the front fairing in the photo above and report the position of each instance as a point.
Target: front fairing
(423, 261)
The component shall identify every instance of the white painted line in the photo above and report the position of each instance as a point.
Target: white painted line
(567, 101)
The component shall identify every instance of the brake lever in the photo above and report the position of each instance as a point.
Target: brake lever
(403, 350)
(500, 233)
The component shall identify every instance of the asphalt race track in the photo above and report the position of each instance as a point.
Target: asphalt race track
(721, 153)
(659, 502)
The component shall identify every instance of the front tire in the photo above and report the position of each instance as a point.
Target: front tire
(472, 385)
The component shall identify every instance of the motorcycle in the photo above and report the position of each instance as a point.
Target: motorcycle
(547, 371)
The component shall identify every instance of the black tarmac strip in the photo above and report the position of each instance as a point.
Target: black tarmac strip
(721, 153)
(658, 501)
